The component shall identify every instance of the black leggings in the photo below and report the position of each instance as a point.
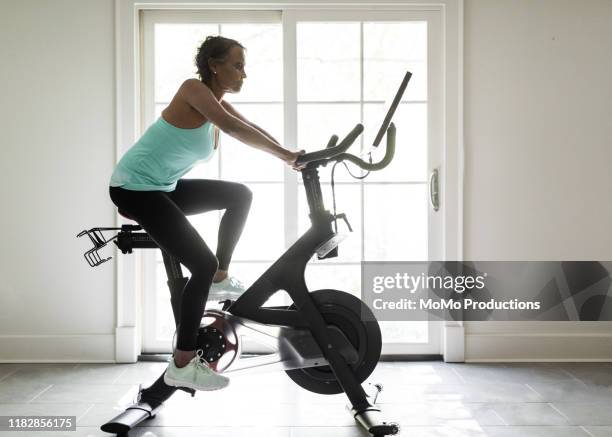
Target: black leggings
(163, 216)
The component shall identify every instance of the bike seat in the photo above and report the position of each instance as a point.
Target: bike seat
(125, 214)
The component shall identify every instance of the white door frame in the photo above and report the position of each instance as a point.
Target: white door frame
(128, 117)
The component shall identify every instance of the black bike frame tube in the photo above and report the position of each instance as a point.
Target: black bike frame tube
(287, 273)
(310, 176)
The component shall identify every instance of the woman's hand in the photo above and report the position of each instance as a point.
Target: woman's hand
(292, 157)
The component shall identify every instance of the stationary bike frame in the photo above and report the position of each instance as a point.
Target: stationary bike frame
(303, 320)
(287, 273)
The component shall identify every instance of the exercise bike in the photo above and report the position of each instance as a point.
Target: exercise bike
(327, 341)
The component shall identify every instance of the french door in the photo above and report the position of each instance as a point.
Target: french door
(311, 74)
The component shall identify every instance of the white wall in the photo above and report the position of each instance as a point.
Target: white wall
(538, 150)
(537, 182)
(57, 137)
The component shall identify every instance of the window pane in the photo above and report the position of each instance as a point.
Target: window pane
(395, 222)
(339, 277)
(318, 122)
(242, 162)
(263, 61)
(348, 201)
(175, 50)
(263, 234)
(249, 272)
(389, 49)
(410, 158)
(328, 57)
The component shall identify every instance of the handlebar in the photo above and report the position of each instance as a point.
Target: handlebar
(334, 152)
(389, 152)
(331, 149)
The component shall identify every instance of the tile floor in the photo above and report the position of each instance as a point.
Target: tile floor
(426, 398)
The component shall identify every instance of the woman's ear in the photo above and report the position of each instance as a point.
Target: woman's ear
(212, 67)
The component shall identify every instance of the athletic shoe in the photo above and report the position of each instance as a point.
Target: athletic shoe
(229, 288)
(196, 375)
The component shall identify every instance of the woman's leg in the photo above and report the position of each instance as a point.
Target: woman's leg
(195, 196)
(167, 225)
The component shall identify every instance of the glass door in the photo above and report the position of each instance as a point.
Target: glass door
(170, 40)
(348, 66)
(311, 74)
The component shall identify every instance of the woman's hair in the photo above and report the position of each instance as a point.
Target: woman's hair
(213, 48)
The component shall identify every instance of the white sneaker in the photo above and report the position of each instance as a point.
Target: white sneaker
(196, 375)
(229, 288)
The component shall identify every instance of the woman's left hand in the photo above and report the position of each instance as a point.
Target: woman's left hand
(293, 157)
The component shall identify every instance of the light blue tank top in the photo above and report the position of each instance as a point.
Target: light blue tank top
(162, 156)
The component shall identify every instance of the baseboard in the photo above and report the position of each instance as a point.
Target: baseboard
(538, 347)
(127, 345)
(93, 348)
(100, 348)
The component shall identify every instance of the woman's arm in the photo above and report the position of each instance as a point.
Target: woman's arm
(229, 108)
(201, 98)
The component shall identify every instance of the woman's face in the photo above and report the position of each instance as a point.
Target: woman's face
(230, 74)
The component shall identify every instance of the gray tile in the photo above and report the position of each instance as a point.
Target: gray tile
(20, 391)
(426, 398)
(513, 372)
(471, 372)
(535, 431)
(586, 413)
(80, 432)
(69, 373)
(218, 414)
(90, 394)
(275, 415)
(7, 369)
(142, 372)
(29, 409)
(452, 428)
(595, 374)
(227, 431)
(599, 431)
(415, 373)
(338, 431)
(574, 390)
(529, 414)
(99, 414)
(278, 388)
(457, 428)
(439, 413)
(476, 392)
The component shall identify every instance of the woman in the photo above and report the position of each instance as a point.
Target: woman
(146, 185)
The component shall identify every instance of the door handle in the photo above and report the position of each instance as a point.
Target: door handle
(434, 192)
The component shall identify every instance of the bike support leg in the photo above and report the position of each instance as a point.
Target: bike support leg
(366, 414)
